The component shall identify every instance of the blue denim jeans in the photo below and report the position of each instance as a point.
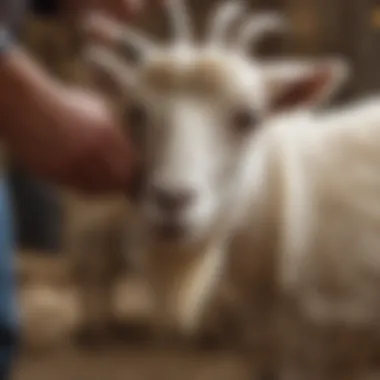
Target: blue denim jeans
(8, 308)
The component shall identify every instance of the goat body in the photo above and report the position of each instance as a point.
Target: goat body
(305, 248)
(283, 201)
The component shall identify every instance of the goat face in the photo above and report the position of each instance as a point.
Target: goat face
(193, 125)
(194, 112)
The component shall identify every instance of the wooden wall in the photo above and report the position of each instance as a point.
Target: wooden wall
(347, 27)
(350, 28)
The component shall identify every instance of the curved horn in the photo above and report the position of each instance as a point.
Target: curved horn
(257, 26)
(113, 32)
(104, 59)
(221, 20)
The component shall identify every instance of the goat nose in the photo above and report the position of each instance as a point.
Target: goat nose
(172, 200)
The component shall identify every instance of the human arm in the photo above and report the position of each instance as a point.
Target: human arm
(65, 135)
(62, 134)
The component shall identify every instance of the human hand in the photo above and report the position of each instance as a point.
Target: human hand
(73, 139)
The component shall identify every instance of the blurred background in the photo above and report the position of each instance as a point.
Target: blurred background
(85, 314)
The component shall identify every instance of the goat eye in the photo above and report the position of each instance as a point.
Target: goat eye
(135, 119)
(244, 119)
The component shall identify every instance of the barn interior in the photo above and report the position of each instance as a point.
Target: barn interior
(63, 236)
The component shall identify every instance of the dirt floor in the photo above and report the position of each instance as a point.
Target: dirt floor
(142, 360)
(127, 363)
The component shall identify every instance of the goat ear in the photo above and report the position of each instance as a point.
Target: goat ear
(299, 84)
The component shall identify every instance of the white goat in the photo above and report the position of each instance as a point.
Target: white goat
(236, 162)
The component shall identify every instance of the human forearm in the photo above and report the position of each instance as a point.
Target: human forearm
(23, 87)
